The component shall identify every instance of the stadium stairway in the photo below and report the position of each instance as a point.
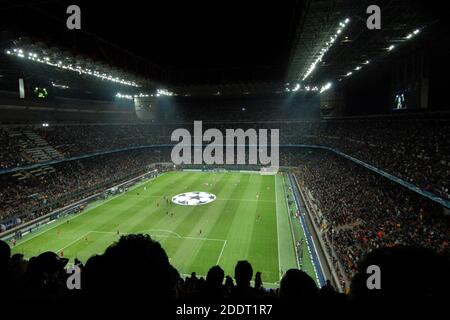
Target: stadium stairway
(41, 150)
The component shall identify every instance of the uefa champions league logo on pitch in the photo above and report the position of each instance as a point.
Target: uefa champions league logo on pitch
(195, 198)
(234, 148)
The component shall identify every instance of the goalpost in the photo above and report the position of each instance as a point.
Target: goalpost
(268, 171)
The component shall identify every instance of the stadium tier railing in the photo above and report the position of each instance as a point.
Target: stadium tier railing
(309, 240)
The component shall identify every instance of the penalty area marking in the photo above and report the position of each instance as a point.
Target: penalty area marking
(221, 252)
(176, 236)
(72, 242)
(170, 235)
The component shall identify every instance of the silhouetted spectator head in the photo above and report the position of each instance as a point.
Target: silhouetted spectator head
(5, 254)
(138, 267)
(229, 282)
(243, 273)
(258, 280)
(297, 285)
(94, 277)
(214, 278)
(18, 265)
(406, 274)
(49, 264)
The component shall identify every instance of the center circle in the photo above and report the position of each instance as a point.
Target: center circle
(194, 198)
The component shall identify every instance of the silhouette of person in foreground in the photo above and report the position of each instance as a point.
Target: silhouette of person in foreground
(243, 273)
(134, 268)
(215, 290)
(409, 276)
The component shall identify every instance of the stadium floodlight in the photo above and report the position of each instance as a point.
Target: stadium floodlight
(61, 86)
(391, 47)
(124, 96)
(33, 56)
(358, 68)
(349, 74)
(412, 34)
(142, 95)
(324, 49)
(164, 92)
(326, 87)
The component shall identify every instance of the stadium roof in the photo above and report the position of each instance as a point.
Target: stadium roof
(334, 34)
(187, 45)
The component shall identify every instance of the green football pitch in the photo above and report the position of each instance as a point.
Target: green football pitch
(248, 220)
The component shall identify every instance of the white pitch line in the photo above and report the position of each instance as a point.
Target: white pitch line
(278, 234)
(71, 243)
(161, 230)
(217, 199)
(185, 275)
(177, 236)
(221, 252)
(245, 200)
(206, 239)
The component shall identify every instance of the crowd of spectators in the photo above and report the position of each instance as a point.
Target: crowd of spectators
(414, 149)
(10, 156)
(359, 210)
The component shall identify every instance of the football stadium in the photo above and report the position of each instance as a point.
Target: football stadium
(224, 158)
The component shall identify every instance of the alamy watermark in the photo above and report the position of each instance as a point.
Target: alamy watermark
(236, 146)
(74, 20)
(374, 279)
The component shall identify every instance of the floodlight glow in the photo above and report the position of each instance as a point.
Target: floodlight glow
(391, 47)
(164, 92)
(326, 87)
(60, 64)
(328, 44)
(124, 96)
